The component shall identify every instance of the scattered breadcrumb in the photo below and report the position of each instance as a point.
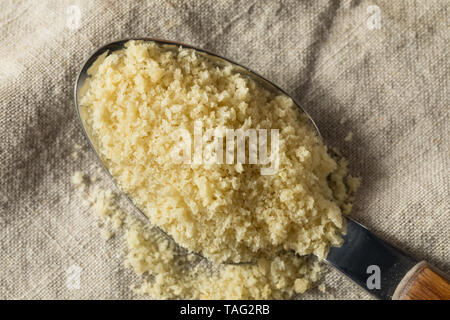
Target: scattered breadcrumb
(77, 178)
(102, 203)
(169, 272)
(175, 277)
(106, 234)
(75, 154)
(349, 136)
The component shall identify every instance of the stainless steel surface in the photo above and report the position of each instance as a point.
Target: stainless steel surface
(362, 249)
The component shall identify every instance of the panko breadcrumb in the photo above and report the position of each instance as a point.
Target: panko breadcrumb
(170, 273)
(77, 178)
(134, 100)
(280, 278)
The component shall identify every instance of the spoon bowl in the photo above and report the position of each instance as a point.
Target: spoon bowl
(169, 45)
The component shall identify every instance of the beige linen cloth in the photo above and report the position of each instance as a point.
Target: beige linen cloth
(377, 70)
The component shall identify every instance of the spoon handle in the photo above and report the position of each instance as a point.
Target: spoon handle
(422, 282)
(383, 270)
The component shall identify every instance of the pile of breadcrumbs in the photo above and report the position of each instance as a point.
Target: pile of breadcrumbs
(132, 103)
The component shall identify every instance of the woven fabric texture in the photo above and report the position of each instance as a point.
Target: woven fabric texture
(377, 70)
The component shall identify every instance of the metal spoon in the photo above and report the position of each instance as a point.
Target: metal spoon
(378, 267)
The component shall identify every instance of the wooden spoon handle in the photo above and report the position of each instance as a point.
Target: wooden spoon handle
(422, 282)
